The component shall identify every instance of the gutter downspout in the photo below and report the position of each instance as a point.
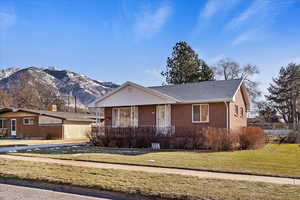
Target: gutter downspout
(227, 112)
(63, 129)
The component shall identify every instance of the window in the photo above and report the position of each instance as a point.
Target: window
(236, 110)
(200, 113)
(28, 121)
(1, 123)
(241, 112)
(125, 116)
(115, 116)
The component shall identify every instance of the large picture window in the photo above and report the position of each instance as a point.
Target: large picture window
(200, 113)
(125, 116)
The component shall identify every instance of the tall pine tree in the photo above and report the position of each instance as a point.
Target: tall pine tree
(184, 66)
(284, 92)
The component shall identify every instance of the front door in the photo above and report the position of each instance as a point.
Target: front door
(163, 118)
(13, 127)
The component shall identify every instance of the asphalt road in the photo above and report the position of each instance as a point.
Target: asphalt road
(11, 192)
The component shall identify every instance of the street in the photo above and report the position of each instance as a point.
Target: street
(12, 192)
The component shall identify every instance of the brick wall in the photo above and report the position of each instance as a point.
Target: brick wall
(147, 116)
(34, 131)
(181, 115)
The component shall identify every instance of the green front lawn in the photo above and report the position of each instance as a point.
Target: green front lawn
(153, 185)
(274, 159)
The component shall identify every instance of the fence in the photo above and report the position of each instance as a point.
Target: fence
(274, 129)
(145, 131)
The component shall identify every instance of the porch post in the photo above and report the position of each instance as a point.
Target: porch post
(165, 121)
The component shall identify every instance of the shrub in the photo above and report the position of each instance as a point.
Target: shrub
(217, 139)
(251, 138)
(49, 136)
(214, 139)
(293, 137)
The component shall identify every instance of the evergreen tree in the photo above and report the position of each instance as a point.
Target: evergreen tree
(206, 73)
(184, 66)
(284, 92)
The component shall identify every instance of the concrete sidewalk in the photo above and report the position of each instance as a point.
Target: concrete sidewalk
(39, 146)
(200, 174)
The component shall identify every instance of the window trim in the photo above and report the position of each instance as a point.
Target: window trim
(202, 104)
(236, 113)
(29, 119)
(133, 111)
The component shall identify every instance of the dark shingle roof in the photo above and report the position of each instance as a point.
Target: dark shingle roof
(61, 115)
(201, 91)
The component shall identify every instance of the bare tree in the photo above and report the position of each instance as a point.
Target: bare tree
(229, 69)
(28, 93)
(24, 95)
(48, 95)
(5, 99)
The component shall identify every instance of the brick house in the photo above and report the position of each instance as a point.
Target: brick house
(221, 104)
(41, 124)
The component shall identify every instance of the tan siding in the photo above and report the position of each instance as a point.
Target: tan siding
(49, 120)
(237, 121)
(74, 130)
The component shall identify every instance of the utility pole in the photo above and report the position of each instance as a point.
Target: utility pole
(75, 103)
(68, 103)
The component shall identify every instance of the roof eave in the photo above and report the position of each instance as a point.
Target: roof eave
(208, 100)
(128, 83)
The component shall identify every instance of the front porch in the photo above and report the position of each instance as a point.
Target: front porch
(142, 116)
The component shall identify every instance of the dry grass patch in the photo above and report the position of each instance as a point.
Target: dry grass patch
(147, 184)
(274, 159)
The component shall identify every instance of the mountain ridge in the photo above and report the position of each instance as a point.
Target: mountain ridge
(65, 82)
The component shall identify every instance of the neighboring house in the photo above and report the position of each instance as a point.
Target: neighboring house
(221, 104)
(40, 124)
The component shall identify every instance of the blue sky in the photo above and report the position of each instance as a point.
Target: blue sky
(114, 40)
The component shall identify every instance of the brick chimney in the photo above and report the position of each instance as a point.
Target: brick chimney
(52, 108)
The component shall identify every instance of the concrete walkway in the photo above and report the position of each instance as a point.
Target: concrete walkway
(200, 174)
(39, 146)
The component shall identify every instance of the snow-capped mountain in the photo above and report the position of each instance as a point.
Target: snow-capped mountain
(66, 83)
(9, 71)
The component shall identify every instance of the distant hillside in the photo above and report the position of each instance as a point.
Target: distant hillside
(64, 82)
